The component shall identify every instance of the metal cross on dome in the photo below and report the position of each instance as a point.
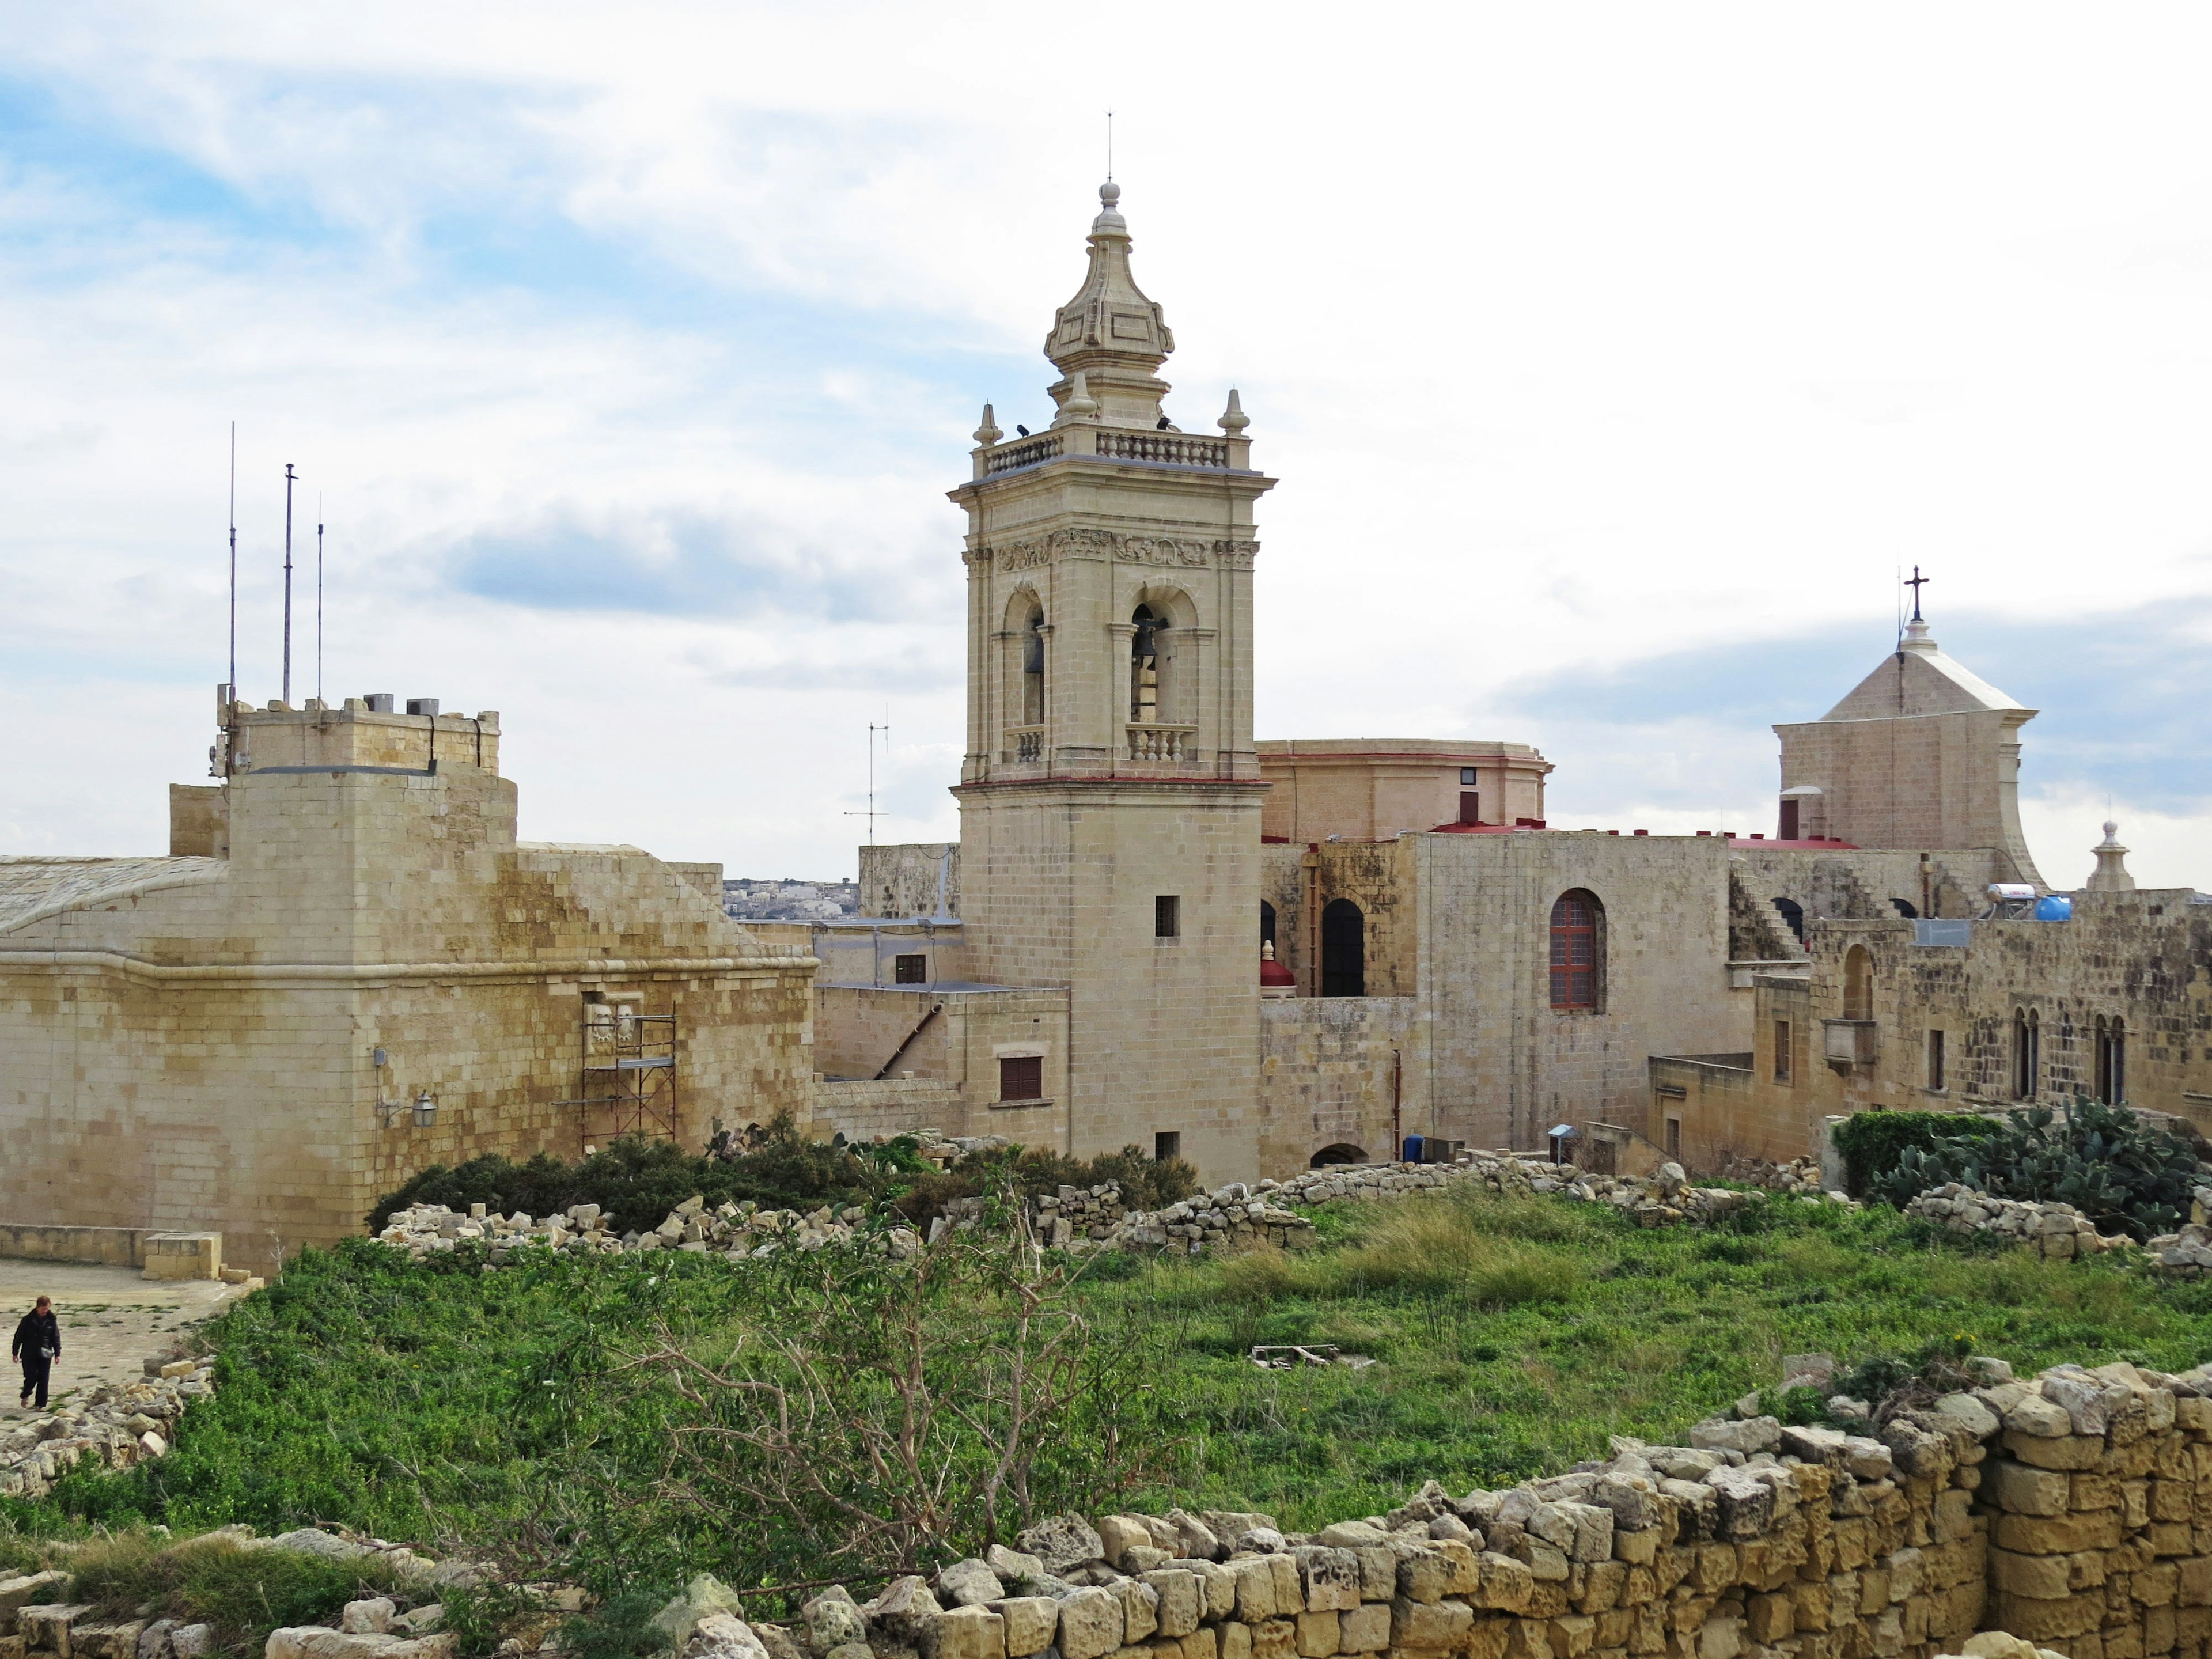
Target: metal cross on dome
(1915, 584)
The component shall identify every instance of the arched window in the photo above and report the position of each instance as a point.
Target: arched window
(1577, 952)
(1343, 950)
(1906, 908)
(2026, 1058)
(2112, 1060)
(1033, 670)
(1794, 914)
(1266, 922)
(1858, 983)
(1147, 656)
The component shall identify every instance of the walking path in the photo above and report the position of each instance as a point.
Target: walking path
(112, 1320)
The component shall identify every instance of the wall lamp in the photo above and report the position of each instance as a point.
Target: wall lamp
(424, 1108)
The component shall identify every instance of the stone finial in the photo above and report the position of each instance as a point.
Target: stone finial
(988, 433)
(1080, 404)
(2111, 873)
(1233, 420)
(1109, 221)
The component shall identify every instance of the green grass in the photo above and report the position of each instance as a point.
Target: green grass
(481, 1411)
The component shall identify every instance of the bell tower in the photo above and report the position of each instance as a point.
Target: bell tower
(1109, 797)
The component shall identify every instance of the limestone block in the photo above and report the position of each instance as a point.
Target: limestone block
(1030, 1623)
(47, 1628)
(1118, 1534)
(2157, 1585)
(1220, 1583)
(1507, 1585)
(1256, 1589)
(1320, 1634)
(2193, 1587)
(834, 1620)
(2023, 1489)
(1720, 1638)
(1365, 1629)
(1180, 1605)
(1573, 1636)
(1429, 1624)
(372, 1616)
(1062, 1542)
(1638, 1549)
(1290, 1585)
(1424, 1575)
(969, 1583)
(1141, 1604)
(107, 1641)
(2057, 1534)
(2038, 1578)
(1090, 1623)
(2043, 1620)
(1204, 1643)
(15, 1593)
(1330, 1578)
(1769, 1618)
(317, 1642)
(2069, 1451)
(1235, 1641)
(964, 1632)
(1603, 1583)
(1275, 1638)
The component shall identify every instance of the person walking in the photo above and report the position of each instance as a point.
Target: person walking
(38, 1344)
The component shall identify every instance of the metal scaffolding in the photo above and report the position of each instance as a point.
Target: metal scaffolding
(627, 1066)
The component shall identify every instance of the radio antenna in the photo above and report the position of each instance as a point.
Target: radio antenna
(233, 567)
(885, 728)
(319, 596)
(288, 479)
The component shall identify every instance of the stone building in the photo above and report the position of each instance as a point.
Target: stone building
(348, 968)
(1081, 968)
(2110, 1000)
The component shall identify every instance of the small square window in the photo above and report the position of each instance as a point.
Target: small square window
(910, 968)
(1467, 775)
(1021, 1077)
(1167, 1144)
(1167, 916)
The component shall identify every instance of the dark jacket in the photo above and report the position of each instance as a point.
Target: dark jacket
(38, 1334)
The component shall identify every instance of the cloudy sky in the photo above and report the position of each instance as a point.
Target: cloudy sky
(1613, 359)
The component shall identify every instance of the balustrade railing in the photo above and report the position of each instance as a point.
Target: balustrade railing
(1028, 453)
(1172, 448)
(1161, 743)
(1026, 742)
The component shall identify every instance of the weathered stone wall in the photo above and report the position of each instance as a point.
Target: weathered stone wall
(2068, 1511)
(913, 879)
(1371, 788)
(1330, 1072)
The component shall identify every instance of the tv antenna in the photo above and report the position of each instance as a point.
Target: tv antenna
(233, 567)
(288, 480)
(1110, 146)
(319, 596)
(885, 728)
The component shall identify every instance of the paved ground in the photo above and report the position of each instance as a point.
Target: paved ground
(112, 1319)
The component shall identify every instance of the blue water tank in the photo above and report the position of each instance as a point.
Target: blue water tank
(1411, 1153)
(2057, 908)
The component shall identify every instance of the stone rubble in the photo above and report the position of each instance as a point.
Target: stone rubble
(115, 1425)
(1235, 1215)
(2059, 1231)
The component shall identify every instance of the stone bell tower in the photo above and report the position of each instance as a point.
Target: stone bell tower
(1110, 799)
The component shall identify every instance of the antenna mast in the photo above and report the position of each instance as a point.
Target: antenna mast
(230, 686)
(289, 478)
(319, 596)
(885, 728)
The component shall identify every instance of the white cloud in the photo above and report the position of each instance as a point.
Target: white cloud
(1577, 336)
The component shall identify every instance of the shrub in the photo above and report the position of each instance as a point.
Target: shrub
(2103, 1160)
(1872, 1142)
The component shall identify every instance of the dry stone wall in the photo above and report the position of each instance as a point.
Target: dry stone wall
(2073, 1511)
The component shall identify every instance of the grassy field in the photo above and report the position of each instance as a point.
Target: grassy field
(474, 1410)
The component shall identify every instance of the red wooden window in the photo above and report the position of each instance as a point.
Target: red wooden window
(1574, 952)
(1022, 1078)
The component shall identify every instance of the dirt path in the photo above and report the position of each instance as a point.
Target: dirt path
(112, 1320)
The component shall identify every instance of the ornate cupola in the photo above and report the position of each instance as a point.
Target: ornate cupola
(1107, 341)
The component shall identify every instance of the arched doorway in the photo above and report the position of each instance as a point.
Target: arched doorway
(1342, 1153)
(1343, 950)
(1266, 922)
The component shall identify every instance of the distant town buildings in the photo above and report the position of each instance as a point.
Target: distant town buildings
(789, 901)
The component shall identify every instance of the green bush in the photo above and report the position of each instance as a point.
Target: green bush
(2107, 1162)
(1872, 1142)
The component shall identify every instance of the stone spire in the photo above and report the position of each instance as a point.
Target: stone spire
(2111, 874)
(1109, 335)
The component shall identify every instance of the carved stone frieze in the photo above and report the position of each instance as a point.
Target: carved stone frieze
(1182, 550)
(1027, 555)
(1236, 556)
(1163, 549)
